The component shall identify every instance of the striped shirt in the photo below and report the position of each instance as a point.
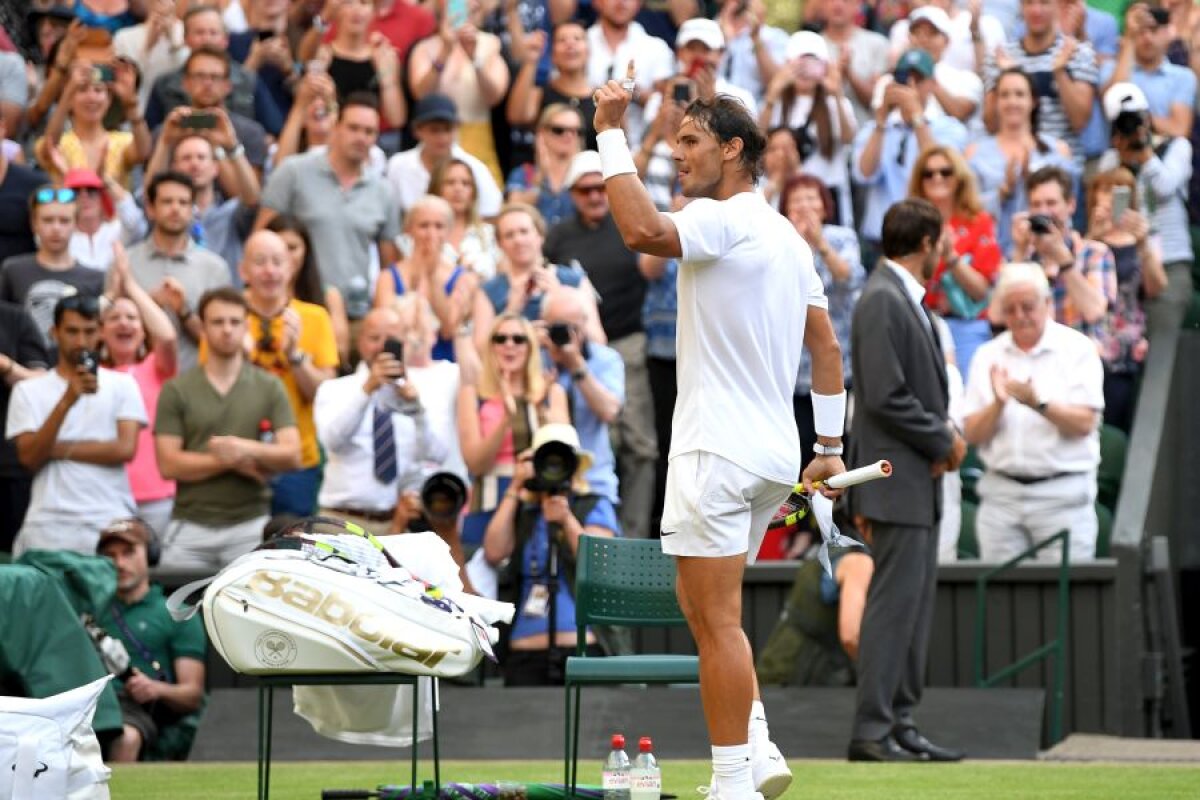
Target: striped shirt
(1052, 116)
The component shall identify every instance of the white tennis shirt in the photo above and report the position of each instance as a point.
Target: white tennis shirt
(745, 284)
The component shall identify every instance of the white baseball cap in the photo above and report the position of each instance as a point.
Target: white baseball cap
(1122, 97)
(934, 16)
(807, 43)
(582, 164)
(700, 29)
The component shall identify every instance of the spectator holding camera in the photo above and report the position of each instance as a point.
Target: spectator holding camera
(1163, 172)
(464, 62)
(1033, 402)
(1017, 149)
(593, 377)
(1081, 272)
(75, 427)
(1115, 220)
(1170, 89)
(533, 539)
(155, 45)
(75, 133)
(887, 148)
(754, 50)
(164, 687)
(38, 280)
(807, 96)
(265, 51)
(391, 421)
(138, 339)
(498, 416)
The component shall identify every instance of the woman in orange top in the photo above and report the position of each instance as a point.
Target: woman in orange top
(970, 255)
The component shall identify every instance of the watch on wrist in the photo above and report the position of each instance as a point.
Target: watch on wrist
(297, 358)
(828, 450)
(579, 374)
(1041, 407)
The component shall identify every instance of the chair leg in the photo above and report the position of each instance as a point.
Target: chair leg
(262, 732)
(416, 687)
(575, 742)
(567, 788)
(437, 763)
(268, 720)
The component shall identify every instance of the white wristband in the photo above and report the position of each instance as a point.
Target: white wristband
(829, 413)
(615, 158)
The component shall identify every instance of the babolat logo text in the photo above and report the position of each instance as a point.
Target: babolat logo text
(329, 607)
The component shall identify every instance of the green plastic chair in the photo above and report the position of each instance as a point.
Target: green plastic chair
(970, 471)
(1104, 526)
(627, 582)
(1113, 445)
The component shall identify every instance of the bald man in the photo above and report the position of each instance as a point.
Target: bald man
(294, 341)
(222, 430)
(593, 375)
(388, 424)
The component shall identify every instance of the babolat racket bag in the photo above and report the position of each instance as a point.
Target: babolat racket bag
(314, 602)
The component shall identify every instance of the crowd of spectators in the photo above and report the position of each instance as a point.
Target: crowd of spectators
(293, 256)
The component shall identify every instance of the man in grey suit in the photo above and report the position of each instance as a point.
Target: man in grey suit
(899, 414)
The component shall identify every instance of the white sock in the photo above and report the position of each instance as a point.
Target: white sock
(758, 722)
(731, 772)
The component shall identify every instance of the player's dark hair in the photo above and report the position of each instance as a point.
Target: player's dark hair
(907, 225)
(727, 118)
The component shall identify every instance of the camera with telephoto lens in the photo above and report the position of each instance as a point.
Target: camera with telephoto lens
(555, 462)
(1134, 126)
(1041, 223)
(443, 496)
(559, 333)
(111, 650)
(805, 144)
(89, 360)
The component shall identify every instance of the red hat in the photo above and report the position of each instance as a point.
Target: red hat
(82, 178)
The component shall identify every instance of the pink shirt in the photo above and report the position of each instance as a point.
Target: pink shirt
(491, 414)
(145, 480)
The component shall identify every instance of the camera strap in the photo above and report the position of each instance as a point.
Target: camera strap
(138, 644)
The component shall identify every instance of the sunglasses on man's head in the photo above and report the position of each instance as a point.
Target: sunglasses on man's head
(48, 194)
(505, 338)
(86, 304)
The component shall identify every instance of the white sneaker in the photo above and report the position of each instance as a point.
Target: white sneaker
(710, 792)
(771, 774)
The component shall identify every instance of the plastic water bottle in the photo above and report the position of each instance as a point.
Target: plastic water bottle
(645, 779)
(614, 781)
(266, 433)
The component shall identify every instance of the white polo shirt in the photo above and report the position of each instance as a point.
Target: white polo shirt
(1065, 368)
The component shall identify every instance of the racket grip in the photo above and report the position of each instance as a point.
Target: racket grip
(871, 472)
(348, 794)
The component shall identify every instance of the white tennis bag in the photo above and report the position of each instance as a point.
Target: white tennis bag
(344, 603)
(278, 612)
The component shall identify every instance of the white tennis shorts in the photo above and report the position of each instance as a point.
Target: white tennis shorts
(714, 508)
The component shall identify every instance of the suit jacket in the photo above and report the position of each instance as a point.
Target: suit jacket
(900, 400)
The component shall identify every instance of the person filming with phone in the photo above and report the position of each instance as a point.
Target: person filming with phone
(75, 427)
(1081, 272)
(533, 541)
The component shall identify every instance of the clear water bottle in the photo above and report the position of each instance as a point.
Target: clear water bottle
(645, 779)
(614, 781)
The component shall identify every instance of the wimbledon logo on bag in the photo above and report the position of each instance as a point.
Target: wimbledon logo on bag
(276, 649)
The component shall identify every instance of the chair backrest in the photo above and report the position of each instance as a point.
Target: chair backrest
(1113, 446)
(625, 582)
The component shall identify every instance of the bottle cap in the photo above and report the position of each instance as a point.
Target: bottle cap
(618, 741)
(645, 745)
(264, 424)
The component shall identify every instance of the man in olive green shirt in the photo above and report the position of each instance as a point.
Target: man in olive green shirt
(222, 429)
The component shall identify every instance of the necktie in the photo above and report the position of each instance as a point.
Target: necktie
(385, 446)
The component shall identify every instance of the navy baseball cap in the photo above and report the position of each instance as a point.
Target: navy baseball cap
(435, 108)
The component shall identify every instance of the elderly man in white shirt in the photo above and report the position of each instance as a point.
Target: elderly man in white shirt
(1034, 402)
(391, 424)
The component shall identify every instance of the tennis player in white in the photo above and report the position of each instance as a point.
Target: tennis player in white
(749, 299)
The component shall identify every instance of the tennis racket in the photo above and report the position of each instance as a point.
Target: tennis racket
(796, 507)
